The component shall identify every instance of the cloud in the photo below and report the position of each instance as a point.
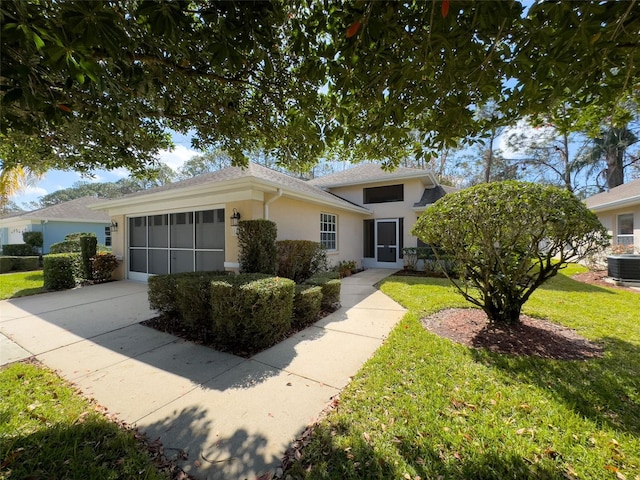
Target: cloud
(176, 157)
(120, 172)
(527, 135)
(35, 191)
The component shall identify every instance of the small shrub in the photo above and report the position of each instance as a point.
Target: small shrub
(17, 250)
(249, 314)
(410, 256)
(35, 239)
(102, 266)
(67, 246)
(257, 243)
(59, 270)
(19, 264)
(346, 268)
(307, 304)
(300, 259)
(330, 286)
(87, 252)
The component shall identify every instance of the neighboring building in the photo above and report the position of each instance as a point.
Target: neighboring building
(56, 222)
(619, 211)
(363, 214)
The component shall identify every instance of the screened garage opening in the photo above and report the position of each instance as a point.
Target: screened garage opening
(176, 242)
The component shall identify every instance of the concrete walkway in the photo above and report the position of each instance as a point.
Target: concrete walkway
(234, 417)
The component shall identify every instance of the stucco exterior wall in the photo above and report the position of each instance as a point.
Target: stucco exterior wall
(413, 190)
(609, 220)
(298, 220)
(248, 210)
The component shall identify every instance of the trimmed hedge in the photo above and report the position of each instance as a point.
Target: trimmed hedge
(257, 244)
(300, 259)
(307, 304)
(193, 298)
(66, 246)
(162, 289)
(88, 250)
(60, 270)
(249, 314)
(330, 286)
(19, 264)
(17, 250)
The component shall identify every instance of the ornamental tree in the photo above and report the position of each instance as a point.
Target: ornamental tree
(507, 239)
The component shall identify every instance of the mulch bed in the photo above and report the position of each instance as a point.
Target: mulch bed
(532, 336)
(597, 278)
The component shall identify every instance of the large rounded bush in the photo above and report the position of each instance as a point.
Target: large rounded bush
(507, 239)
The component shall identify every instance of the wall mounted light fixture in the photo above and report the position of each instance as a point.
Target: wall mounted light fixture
(235, 217)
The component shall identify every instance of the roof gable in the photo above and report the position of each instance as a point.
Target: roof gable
(371, 173)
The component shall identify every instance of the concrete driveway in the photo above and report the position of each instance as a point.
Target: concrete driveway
(234, 417)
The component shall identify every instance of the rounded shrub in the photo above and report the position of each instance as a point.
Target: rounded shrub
(330, 286)
(249, 313)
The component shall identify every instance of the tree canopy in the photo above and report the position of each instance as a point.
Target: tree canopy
(508, 238)
(88, 85)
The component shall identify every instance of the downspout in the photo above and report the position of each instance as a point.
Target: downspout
(44, 228)
(269, 202)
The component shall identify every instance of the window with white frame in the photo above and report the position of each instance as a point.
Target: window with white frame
(625, 229)
(328, 231)
(107, 236)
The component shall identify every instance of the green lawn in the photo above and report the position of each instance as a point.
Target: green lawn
(20, 284)
(427, 408)
(47, 430)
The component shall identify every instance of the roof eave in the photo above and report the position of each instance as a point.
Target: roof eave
(616, 204)
(222, 186)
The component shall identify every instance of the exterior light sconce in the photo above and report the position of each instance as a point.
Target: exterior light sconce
(114, 226)
(235, 217)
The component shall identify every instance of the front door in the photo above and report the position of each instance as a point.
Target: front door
(387, 241)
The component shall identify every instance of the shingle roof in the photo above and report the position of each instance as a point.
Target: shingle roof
(625, 193)
(367, 173)
(253, 170)
(75, 210)
(430, 195)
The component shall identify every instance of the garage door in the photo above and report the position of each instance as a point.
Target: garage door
(176, 242)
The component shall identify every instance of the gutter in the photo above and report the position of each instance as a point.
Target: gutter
(615, 204)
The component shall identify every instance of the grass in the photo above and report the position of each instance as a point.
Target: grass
(424, 407)
(47, 430)
(20, 284)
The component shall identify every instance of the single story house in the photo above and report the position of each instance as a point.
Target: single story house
(363, 214)
(56, 222)
(619, 212)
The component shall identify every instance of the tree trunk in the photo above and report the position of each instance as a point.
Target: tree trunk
(615, 168)
(506, 314)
